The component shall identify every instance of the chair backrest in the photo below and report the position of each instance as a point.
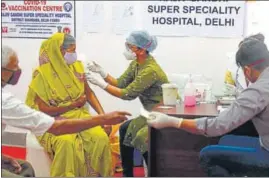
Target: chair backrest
(28, 148)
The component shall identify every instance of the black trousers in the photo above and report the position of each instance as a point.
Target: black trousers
(127, 153)
(246, 129)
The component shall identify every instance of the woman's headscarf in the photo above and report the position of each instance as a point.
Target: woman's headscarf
(55, 82)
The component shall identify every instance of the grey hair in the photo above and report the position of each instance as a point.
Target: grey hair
(251, 51)
(7, 52)
(68, 40)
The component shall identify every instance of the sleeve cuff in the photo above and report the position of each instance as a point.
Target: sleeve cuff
(125, 94)
(201, 125)
(44, 126)
(119, 83)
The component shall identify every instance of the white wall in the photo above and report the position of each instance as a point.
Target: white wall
(259, 19)
(176, 55)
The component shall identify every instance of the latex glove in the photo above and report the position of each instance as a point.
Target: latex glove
(93, 67)
(229, 89)
(159, 120)
(96, 80)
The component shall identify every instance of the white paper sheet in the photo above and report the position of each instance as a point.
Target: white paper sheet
(165, 107)
(221, 109)
(144, 113)
(93, 16)
(123, 17)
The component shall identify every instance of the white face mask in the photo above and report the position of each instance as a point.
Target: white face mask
(129, 55)
(70, 58)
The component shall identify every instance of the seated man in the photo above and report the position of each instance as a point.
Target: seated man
(235, 83)
(15, 113)
(235, 155)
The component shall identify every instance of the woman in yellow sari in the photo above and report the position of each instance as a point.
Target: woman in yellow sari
(59, 88)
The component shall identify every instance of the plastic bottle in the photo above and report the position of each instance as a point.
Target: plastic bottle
(208, 96)
(189, 94)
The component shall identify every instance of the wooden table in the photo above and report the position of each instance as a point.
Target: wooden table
(174, 152)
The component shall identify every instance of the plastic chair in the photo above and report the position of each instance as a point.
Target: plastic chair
(22, 144)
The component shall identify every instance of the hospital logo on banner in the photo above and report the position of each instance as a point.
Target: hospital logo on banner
(66, 30)
(67, 7)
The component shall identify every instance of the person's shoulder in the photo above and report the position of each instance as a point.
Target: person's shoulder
(265, 73)
(263, 80)
(152, 61)
(6, 94)
(132, 66)
(35, 73)
(153, 65)
(79, 63)
(133, 63)
(8, 98)
(260, 87)
(79, 66)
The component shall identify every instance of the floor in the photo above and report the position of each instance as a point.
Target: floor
(20, 153)
(138, 172)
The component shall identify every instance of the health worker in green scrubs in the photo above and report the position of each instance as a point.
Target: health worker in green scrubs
(143, 79)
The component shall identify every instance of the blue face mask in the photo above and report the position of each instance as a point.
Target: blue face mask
(70, 58)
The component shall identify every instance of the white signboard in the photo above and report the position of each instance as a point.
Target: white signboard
(194, 18)
(123, 17)
(37, 19)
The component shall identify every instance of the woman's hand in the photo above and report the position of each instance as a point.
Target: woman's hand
(108, 129)
(80, 102)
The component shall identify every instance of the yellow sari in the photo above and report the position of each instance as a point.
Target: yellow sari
(87, 153)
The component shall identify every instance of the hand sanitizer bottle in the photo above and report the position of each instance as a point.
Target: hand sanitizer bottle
(189, 94)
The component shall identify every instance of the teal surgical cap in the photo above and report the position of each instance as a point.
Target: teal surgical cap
(142, 39)
(68, 40)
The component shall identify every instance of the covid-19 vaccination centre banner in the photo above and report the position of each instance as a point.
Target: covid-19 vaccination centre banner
(37, 19)
(194, 18)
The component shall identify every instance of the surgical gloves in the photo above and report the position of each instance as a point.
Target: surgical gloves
(93, 67)
(159, 120)
(96, 80)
